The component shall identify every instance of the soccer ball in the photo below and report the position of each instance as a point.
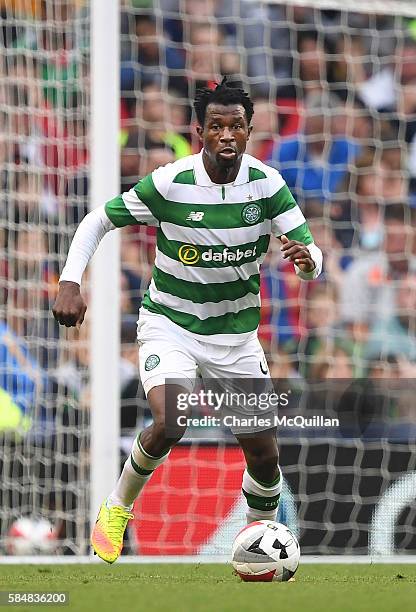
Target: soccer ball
(31, 536)
(264, 551)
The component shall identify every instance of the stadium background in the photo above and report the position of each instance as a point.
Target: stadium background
(335, 111)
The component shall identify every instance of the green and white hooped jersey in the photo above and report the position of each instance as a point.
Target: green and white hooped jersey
(211, 241)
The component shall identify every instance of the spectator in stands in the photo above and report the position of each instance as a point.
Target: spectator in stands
(208, 57)
(265, 129)
(332, 363)
(23, 129)
(377, 180)
(320, 328)
(310, 66)
(157, 154)
(348, 71)
(187, 13)
(396, 335)
(21, 382)
(383, 90)
(315, 162)
(147, 56)
(161, 121)
(373, 276)
(381, 183)
(393, 90)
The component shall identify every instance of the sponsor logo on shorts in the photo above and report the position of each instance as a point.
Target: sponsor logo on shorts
(251, 213)
(151, 362)
(188, 254)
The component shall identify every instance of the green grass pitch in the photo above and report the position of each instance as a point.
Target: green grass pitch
(214, 588)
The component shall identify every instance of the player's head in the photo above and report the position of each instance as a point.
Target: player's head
(399, 237)
(224, 115)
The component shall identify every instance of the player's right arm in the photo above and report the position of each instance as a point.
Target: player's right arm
(127, 209)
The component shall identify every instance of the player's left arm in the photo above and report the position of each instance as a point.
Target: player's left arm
(290, 226)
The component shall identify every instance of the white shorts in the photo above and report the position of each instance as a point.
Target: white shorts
(166, 353)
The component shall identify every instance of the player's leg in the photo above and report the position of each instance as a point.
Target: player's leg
(151, 447)
(262, 481)
(262, 478)
(162, 356)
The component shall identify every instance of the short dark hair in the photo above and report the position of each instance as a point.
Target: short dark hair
(222, 94)
(398, 212)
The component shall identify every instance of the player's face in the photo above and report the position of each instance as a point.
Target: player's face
(225, 134)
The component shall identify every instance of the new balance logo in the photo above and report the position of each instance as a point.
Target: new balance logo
(195, 216)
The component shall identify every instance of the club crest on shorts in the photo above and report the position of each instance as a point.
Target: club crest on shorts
(251, 213)
(151, 362)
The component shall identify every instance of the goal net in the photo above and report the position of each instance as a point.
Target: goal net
(334, 89)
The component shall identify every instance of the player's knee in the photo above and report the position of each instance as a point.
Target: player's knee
(165, 435)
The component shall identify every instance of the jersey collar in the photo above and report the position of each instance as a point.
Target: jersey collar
(202, 178)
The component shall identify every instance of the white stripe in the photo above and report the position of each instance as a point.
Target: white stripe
(205, 275)
(197, 194)
(234, 194)
(137, 208)
(287, 221)
(208, 237)
(205, 310)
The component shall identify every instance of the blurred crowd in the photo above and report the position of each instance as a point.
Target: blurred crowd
(335, 112)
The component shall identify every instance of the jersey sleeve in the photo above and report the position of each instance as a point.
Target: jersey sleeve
(88, 236)
(145, 203)
(287, 218)
(135, 207)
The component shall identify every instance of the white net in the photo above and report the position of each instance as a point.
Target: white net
(334, 87)
(44, 111)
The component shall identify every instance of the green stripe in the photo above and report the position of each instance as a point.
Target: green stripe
(261, 503)
(118, 213)
(171, 249)
(186, 177)
(265, 484)
(218, 215)
(254, 174)
(301, 233)
(281, 202)
(200, 293)
(147, 193)
(139, 469)
(230, 323)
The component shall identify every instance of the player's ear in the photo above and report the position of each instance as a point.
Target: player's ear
(250, 128)
(199, 131)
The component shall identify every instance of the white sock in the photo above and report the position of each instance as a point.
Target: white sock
(137, 470)
(260, 515)
(262, 498)
(128, 487)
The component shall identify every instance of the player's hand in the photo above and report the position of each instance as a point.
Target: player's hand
(69, 308)
(296, 251)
